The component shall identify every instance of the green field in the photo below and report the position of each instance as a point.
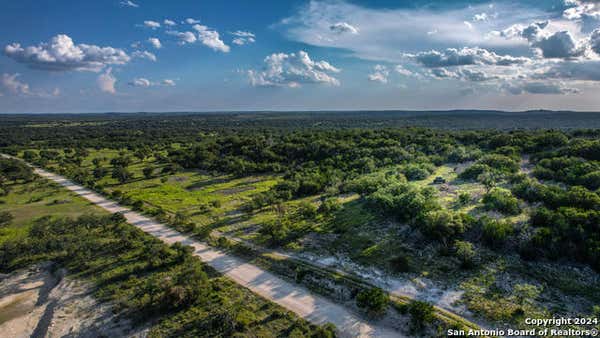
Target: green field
(29, 201)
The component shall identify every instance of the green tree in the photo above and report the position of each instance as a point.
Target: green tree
(464, 198)
(307, 210)
(13, 170)
(30, 155)
(495, 232)
(5, 218)
(501, 200)
(277, 229)
(148, 172)
(121, 174)
(465, 252)
(99, 172)
(443, 225)
(329, 206)
(375, 301)
(421, 314)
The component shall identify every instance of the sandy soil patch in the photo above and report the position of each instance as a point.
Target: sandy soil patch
(41, 302)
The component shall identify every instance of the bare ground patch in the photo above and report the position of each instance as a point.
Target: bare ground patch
(235, 190)
(41, 302)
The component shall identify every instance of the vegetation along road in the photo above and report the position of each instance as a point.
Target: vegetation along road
(312, 307)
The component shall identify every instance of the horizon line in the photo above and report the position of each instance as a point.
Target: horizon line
(306, 111)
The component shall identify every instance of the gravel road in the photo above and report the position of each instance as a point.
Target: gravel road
(293, 297)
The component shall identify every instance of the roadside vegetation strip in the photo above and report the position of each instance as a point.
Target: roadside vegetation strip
(442, 314)
(314, 308)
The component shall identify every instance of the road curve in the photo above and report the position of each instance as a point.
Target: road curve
(314, 308)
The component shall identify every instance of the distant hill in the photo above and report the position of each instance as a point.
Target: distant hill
(452, 119)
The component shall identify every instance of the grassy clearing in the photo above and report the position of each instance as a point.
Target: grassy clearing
(40, 198)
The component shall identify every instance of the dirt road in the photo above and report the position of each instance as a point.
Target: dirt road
(293, 297)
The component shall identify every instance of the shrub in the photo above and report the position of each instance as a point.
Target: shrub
(416, 172)
(472, 172)
(137, 205)
(329, 206)
(118, 218)
(121, 174)
(326, 331)
(307, 210)
(370, 183)
(465, 252)
(277, 230)
(404, 200)
(13, 170)
(500, 163)
(99, 172)
(464, 198)
(443, 225)
(148, 172)
(591, 180)
(30, 155)
(401, 263)
(495, 232)
(495, 163)
(5, 218)
(421, 314)
(121, 161)
(375, 301)
(501, 200)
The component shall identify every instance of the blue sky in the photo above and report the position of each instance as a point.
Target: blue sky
(142, 55)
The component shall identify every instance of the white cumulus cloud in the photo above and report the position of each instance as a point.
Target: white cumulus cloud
(62, 54)
(579, 9)
(106, 81)
(155, 42)
(152, 24)
(210, 38)
(462, 57)
(11, 84)
(380, 74)
(292, 70)
(243, 37)
(403, 71)
(184, 37)
(144, 55)
(548, 43)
